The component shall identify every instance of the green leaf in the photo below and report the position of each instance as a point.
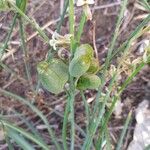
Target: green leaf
(17, 130)
(53, 75)
(81, 61)
(88, 81)
(94, 67)
(38, 112)
(124, 131)
(21, 4)
(20, 140)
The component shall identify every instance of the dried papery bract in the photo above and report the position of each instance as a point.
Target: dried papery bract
(146, 53)
(59, 40)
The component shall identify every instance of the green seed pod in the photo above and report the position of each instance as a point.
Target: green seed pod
(4, 5)
(79, 66)
(84, 50)
(21, 4)
(53, 75)
(88, 81)
(81, 61)
(94, 67)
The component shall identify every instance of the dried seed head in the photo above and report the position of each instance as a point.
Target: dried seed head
(59, 40)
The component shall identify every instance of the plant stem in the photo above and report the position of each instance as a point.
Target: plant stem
(81, 26)
(63, 15)
(86, 111)
(112, 45)
(116, 98)
(2, 50)
(71, 102)
(126, 45)
(64, 130)
(71, 79)
(11, 71)
(123, 133)
(9, 127)
(136, 34)
(116, 32)
(34, 109)
(32, 22)
(97, 120)
(22, 35)
(71, 24)
(130, 78)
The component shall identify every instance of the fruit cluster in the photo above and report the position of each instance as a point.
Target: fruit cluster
(54, 74)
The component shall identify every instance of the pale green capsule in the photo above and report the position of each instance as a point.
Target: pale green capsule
(79, 66)
(84, 50)
(81, 61)
(53, 75)
(88, 81)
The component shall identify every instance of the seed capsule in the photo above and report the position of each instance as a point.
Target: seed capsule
(53, 75)
(94, 67)
(81, 61)
(88, 81)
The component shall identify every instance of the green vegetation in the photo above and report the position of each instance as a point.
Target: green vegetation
(81, 71)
